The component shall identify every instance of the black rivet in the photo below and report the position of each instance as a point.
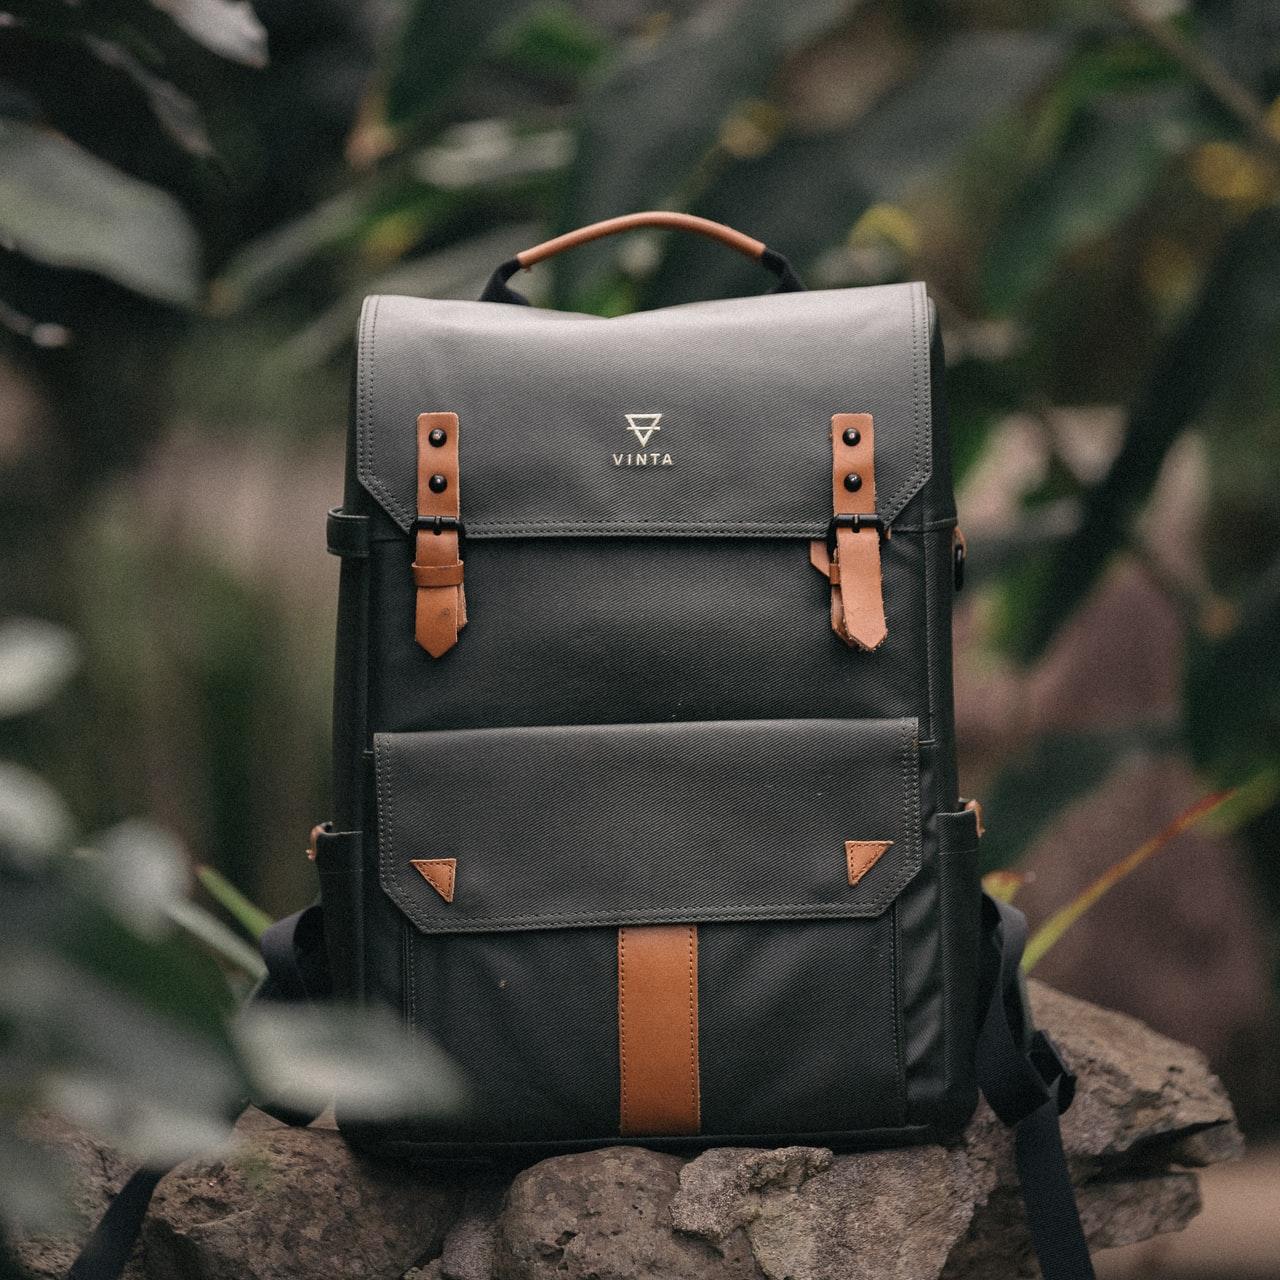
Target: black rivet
(437, 437)
(852, 436)
(853, 482)
(438, 484)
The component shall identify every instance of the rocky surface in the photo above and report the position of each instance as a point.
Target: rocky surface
(294, 1204)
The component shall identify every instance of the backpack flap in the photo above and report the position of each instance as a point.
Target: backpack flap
(546, 828)
(710, 419)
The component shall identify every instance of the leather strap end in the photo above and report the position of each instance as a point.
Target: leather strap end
(440, 611)
(861, 588)
(857, 589)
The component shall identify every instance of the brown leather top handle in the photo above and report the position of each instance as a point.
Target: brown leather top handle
(497, 289)
(652, 218)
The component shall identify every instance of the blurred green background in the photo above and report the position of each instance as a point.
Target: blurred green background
(196, 195)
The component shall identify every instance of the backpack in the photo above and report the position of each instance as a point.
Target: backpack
(645, 795)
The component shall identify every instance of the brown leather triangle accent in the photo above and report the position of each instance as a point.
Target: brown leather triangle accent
(862, 855)
(438, 873)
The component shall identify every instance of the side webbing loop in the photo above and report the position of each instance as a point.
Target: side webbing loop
(1028, 1086)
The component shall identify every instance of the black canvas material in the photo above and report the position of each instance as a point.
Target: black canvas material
(648, 719)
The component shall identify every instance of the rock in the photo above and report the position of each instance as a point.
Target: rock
(290, 1203)
(1145, 1101)
(95, 1174)
(1145, 1105)
(605, 1215)
(297, 1204)
(893, 1215)
(729, 1187)
(469, 1244)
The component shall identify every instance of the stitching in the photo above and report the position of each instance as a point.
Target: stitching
(364, 420)
(385, 824)
(918, 474)
(370, 479)
(750, 913)
(899, 1068)
(911, 789)
(929, 638)
(622, 1027)
(449, 865)
(411, 987)
(694, 1073)
(492, 529)
(866, 909)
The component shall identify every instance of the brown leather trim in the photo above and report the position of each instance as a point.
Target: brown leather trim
(857, 597)
(820, 558)
(441, 608)
(313, 841)
(861, 855)
(439, 873)
(975, 807)
(658, 1030)
(744, 244)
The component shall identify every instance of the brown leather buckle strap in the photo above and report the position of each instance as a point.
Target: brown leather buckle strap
(852, 559)
(441, 609)
(658, 1030)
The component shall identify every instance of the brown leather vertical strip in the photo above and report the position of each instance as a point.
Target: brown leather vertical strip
(658, 1029)
(857, 599)
(441, 608)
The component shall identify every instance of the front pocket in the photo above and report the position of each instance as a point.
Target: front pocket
(645, 824)
(516, 857)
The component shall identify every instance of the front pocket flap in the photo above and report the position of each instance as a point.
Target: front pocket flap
(634, 824)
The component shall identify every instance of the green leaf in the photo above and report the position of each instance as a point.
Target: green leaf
(1232, 690)
(214, 935)
(176, 113)
(35, 822)
(440, 42)
(228, 28)
(554, 41)
(364, 1061)
(1108, 165)
(651, 119)
(1051, 931)
(63, 206)
(805, 194)
(142, 873)
(1236, 315)
(36, 660)
(254, 921)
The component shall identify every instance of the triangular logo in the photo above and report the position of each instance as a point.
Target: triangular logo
(861, 855)
(644, 425)
(438, 873)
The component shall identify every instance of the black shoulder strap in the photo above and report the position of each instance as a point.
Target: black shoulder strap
(297, 969)
(1028, 1086)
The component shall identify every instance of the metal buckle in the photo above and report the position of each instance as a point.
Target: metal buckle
(856, 522)
(439, 524)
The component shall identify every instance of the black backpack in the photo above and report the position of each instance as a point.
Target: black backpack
(646, 806)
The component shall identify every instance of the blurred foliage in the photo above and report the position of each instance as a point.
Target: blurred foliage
(119, 994)
(196, 194)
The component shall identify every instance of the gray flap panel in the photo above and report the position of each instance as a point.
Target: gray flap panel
(644, 823)
(704, 419)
